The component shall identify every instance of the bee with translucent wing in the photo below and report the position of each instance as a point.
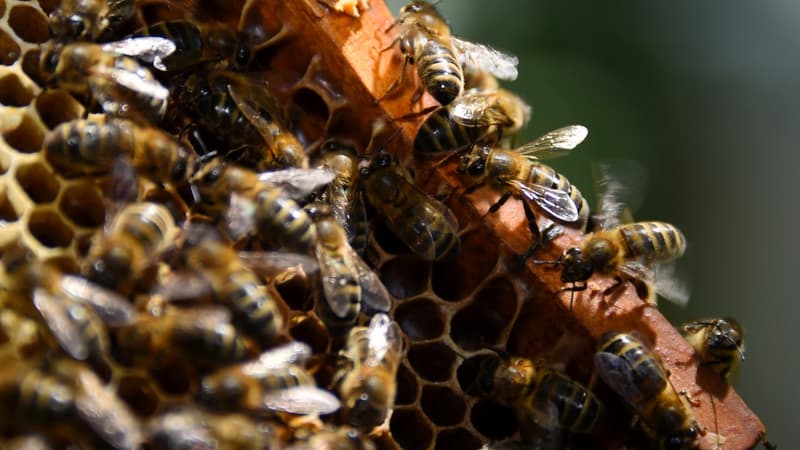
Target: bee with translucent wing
(719, 342)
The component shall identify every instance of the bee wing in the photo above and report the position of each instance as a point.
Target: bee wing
(240, 216)
(151, 49)
(334, 272)
(477, 109)
(383, 337)
(554, 143)
(106, 414)
(270, 264)
(184, 287)
(373, 293)
(544, 413)
(620, 184)
(62, 326)
(301, 400)
(670, 285)
(252, 115)
(292, 353)
(298, 183)
(482, 57)
(112, 308)
(350, 212)
(617, 374)
(134, 81)
(554, 202)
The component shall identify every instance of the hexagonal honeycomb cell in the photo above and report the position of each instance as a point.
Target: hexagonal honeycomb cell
(452, 314)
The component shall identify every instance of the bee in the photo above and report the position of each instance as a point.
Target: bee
(517, 172)
(346, 279)
(105, 74)
(203, 336)
(343, 193)
(262, 202)
(92, 146)
(193, 428)
(628, 251)
(342, 438)
(478, 116)
(136, 236)
(89, 19)
(235, 286)
(244, 115)
(426, 42)
(719, 342)
(426, 226)
(199, 43)
(631, 370)
(369, 386)
(66, 393)
(547, 397)
(273, 382)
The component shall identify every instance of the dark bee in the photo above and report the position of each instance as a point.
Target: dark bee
(89, 19)
(244, 117)
(426, 42)
(427, 227)
(547, 397)
(89, 147)
(719, 342)
(631, 370)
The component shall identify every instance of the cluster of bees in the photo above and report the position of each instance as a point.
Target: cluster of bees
(163, 286)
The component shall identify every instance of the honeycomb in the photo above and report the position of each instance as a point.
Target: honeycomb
(451, 313)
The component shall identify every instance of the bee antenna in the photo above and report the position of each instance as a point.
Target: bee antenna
(571, 299)
(390, 139)
(738, 348)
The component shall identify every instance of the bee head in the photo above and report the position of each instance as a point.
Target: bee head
(576, 267)
(474, 162)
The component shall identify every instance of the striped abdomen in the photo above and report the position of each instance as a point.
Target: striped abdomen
(652, 241)
(578, 409)
(440, 70)
(440, 133)
(282, 220)
(152, 106)
(544, 175)
(87, 146)
(647, 370)
(251, 304)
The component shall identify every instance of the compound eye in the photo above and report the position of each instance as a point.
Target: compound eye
(77, 26)
(475, 169)
(243, 56)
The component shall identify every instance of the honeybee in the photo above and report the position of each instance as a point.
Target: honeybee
(517, 172)
(92, 146)
(262, 202)
(426, 226)
(66, 393)
(346, 279)
(719, 342)
(342, 438)
(243, 114)
(89, 19)
(191, 428)
(547, 397)
(273, 382)
(478, 116)
(425, 41)
(199, 43)
(105, 74)
(628, 251)
(369, 386)
(631, 370)
(235, 286)
(204, 336)
(136, 236)
(342, 193)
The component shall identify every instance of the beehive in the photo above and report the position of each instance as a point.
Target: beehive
(329, 69)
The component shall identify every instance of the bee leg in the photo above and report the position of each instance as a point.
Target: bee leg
(499, 203)
(399, 81)
(573, 289)
(414, 115)
(617, 284)
(689, 399)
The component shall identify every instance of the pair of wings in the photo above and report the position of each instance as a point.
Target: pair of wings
(481, 57)
(479, 109)
(106, 413)
(557, 203)
(633, 384)
(383, 339)
(373, 293)
(620, 185)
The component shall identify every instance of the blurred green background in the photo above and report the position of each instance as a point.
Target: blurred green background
(705, 95)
